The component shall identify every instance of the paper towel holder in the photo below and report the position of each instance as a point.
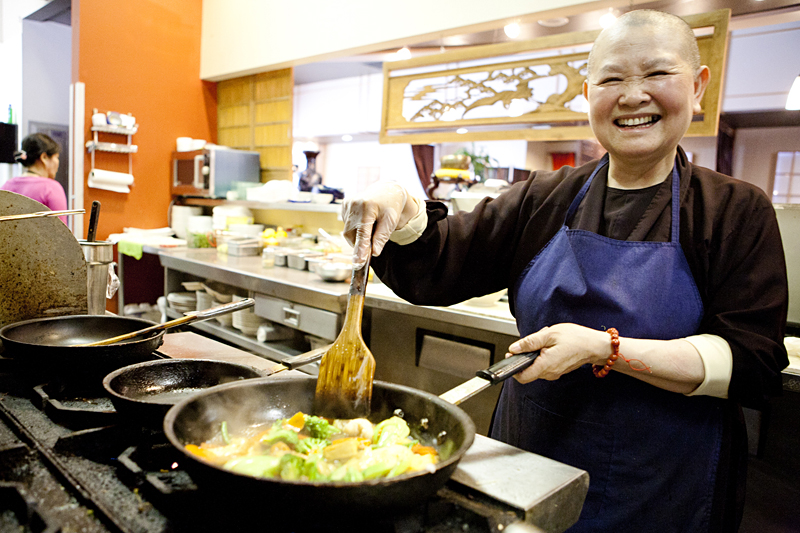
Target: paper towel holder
(128, 147)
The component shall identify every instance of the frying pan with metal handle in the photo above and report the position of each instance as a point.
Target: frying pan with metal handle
(262, 401)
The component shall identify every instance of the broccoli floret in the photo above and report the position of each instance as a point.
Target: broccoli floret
(319, 428)
(311, 470)
(291, 467)
(286, 435)
(311, 445)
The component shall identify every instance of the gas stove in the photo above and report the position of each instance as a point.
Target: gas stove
(68, 463)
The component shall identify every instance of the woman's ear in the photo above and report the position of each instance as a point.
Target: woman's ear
(701, 79)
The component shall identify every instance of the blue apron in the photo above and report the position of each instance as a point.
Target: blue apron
(651, 454)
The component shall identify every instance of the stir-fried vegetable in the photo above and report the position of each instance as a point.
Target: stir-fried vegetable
(311, 448)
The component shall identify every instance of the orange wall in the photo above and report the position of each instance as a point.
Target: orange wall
(141, 57)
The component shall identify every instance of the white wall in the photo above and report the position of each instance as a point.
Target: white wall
(703, 149)
(241, 37)
(11, 14)
(353, 166)
(47, 55)
(754, 153)
(763, 63)
(335, 107)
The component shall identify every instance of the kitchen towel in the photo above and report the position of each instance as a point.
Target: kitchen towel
(110, 181)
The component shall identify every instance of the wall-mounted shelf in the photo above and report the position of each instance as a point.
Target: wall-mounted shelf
(95, 145)
(117, 148)
(121, 130)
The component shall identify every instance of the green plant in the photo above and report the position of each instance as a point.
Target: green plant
(480, 161)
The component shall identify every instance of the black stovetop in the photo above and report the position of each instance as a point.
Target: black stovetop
(68, 463)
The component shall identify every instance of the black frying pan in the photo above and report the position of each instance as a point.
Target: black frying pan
(143, 393)
(259, 401)
(47, 343)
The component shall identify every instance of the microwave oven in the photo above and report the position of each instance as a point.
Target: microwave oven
(213, 171)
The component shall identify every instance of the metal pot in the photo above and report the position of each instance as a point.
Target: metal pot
(260, 401)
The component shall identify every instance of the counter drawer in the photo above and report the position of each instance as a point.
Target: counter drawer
(311, 320)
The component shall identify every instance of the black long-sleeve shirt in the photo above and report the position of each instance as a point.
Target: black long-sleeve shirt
(728, 232)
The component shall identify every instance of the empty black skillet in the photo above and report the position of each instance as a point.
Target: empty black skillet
(143, 393)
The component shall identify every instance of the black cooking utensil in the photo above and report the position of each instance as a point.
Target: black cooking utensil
(93, 217)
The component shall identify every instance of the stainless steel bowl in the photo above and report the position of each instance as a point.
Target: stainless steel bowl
(335, 271)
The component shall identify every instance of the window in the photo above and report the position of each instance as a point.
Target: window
(786, 187)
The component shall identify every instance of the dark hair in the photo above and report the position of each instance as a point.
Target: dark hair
(33, 146)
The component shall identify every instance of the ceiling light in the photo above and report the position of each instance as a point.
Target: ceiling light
(608, 19)
(512, 30)
(347, 138)
(556, 22)
(462, 131)
(793, 100)
(403, 53)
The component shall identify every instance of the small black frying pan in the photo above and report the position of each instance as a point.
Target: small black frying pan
(143, 393)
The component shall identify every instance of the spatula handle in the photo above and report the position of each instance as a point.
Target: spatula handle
(508, 367)
(358, 283)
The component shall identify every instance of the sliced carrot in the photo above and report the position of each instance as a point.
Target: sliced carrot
(198, 451)
(297, 421)
(419, 449)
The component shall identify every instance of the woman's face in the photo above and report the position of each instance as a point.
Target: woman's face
(51, 164)
(642, 94)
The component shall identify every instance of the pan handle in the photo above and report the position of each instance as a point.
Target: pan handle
(212, 312)
(188, 318)
(508, 367)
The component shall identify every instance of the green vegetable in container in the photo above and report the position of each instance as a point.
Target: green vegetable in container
(319, 428)
(291, 467)
(311, 445)
(255, 465)
(390, 431)
(223, 429)
(286, 435)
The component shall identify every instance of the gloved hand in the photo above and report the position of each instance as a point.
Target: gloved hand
(384, 206)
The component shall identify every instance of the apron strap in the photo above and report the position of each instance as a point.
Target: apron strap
(676, 205)
(676, 186)
(577, 200)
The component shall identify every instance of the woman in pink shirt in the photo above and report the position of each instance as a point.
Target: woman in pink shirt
(39, 156)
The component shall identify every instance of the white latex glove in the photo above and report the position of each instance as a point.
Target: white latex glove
(382, 208)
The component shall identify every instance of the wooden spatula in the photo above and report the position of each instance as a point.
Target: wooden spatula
(344, 385)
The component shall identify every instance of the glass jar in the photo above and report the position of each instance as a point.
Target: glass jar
(268, 257)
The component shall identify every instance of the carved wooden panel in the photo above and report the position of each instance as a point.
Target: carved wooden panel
(521, 90)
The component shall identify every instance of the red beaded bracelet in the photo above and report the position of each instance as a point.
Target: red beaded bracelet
(602, 371)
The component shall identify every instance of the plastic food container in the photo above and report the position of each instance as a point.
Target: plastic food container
(199, 233)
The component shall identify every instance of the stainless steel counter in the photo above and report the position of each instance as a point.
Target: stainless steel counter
(306, 288)
(248, 274)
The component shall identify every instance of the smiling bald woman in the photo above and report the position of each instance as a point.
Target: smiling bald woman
(655, 289)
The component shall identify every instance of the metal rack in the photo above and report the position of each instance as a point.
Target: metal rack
(95, 145)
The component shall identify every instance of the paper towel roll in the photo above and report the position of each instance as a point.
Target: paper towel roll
(110, 181)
